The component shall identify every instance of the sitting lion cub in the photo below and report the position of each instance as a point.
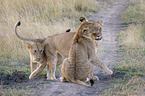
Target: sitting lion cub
(77, 67)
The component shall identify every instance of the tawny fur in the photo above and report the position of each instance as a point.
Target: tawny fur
(56, 48)
(77, 67)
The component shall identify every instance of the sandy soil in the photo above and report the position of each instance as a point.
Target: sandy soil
(108, 51)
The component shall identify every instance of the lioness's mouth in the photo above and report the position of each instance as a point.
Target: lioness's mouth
(98, 38)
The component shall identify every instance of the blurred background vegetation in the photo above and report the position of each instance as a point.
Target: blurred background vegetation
(132, 45)
(39, 18)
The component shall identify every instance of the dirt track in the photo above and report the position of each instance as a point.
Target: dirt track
(109, 55)
(108, 51)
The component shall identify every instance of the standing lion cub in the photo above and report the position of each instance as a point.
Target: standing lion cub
(77, 67)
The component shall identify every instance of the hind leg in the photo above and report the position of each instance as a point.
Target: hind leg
(51, 62)
(51, 70)
(64, 69)
(60, 59)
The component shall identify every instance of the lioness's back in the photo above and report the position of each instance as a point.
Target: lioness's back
(63, 42)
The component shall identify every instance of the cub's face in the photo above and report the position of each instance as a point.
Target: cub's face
(36, 51)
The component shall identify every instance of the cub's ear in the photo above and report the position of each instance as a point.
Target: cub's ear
(83, 19)
(67, 30)
(29, 46)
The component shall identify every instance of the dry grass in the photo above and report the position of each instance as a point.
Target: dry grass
(133, 59)
(134, 87)
(135, 12)
(134, 37)
(133, 40)
(16, 92)
(39, 18)
(132, 63)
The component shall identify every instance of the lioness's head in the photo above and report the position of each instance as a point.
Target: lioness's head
(95, 28)
(91, 29)
(36, 51)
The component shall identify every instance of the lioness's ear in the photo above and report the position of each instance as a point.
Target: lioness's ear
(29, 46)
(83, 19)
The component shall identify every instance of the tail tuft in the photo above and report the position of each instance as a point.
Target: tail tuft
(19, 23)
(92, 82)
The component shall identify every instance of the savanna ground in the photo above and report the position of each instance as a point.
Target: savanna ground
(122, 48)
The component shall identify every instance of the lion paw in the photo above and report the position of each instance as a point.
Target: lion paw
(95, 78)
(31, 77)
(87, 79)
(51, 78)
(109, 72)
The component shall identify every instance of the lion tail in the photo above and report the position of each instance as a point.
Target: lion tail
(92, 82)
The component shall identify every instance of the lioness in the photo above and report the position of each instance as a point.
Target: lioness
(77, 67)
(55, 48)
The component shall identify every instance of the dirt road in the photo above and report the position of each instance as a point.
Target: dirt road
(107, 50)
(108, 53)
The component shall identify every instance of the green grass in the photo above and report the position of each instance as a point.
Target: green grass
(132, 42)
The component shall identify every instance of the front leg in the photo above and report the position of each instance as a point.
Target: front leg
(37, 71)
(33, 65)
(101, 65)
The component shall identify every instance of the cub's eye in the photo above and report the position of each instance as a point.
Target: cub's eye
(35, 51)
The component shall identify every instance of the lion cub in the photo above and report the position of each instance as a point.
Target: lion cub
(77, 67)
